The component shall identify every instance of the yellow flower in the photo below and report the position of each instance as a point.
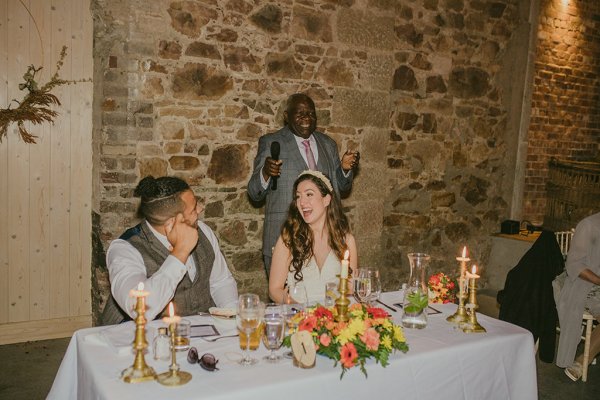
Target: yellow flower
(355, 327)
(386, 341)
(398, 334)
(387, 324)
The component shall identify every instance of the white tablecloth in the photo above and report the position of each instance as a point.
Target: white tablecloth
(443, 362)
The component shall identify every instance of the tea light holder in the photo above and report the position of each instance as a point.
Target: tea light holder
(139, 371)
(173, 377)
(471, 325)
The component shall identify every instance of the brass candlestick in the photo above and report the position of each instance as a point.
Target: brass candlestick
(173, 377)
(139, 371)
(461, 313)
(342, 302)
(471, 325)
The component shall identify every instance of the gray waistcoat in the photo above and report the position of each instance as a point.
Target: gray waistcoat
(190, 297)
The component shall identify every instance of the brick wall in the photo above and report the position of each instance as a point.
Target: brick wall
(565, 111)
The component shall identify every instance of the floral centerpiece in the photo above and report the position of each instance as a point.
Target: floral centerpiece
(442, 288)
(370, 332)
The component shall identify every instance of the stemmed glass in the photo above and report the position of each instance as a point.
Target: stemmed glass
(294, 302)
(375, 285)
(367, 285)
(296, 295)
(273, 331)
(362, 285)
(248, 318)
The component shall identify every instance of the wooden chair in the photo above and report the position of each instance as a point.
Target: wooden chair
(588, 323)
(564, 241)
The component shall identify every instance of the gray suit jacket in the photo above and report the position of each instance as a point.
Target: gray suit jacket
(278, 201)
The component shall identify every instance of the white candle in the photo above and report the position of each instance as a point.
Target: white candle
(344, 273)
(139, 292)
(172, 318)
(473, 274)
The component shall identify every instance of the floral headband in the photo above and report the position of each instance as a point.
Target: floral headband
(319, 175)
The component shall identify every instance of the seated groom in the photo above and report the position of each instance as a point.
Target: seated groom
(175, 255)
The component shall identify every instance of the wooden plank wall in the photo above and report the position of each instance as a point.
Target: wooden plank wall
(45, 188)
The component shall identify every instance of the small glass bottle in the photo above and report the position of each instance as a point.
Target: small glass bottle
(162, 345)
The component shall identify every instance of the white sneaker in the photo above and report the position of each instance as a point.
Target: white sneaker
(574, 371)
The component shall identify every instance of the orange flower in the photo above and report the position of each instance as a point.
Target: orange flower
(308, 324)
(348, 355)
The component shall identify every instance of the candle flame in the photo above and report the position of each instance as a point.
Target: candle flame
(346, 255)
(474, 269)
(171, 310)
(464, 253)
(140, 286)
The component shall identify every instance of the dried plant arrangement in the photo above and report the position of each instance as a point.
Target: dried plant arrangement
(35, 106)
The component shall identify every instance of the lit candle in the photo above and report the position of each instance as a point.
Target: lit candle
(473, 274)
(139, 292)
(172, 318)
(463, 269)
(344, 273)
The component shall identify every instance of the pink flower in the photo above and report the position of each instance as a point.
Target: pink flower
(371, 339)
(348, 355)
(325, 339)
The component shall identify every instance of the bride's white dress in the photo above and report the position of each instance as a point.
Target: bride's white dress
(314, 279)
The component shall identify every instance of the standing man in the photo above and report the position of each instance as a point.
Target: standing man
(175, 255)
(276, 166)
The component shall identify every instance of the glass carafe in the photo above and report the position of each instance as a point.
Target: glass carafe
(416, 299)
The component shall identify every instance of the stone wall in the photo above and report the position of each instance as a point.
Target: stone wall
(565, 110)
(419, 87)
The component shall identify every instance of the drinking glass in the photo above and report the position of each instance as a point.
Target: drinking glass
(289, 311)
(331, 293)
(248, 318)
(296, 295)
(363, 285)
(373, 275)
(273, 331)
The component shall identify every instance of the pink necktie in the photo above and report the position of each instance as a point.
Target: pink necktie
(309, 155)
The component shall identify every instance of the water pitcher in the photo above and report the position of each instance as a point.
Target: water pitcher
(416, 299)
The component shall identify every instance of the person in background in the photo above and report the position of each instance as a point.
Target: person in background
(580, 291)
(313, 240)
(175, 255)
(301, 147)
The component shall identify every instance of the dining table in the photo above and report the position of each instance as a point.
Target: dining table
(442, 362)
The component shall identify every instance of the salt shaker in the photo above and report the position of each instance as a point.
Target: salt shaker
(162, 345)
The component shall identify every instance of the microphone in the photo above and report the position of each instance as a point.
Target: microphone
(275, 148)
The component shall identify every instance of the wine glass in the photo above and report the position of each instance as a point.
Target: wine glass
(363, 285)
(296, 295)
(373, 275)
(248, 318)
(273, 331)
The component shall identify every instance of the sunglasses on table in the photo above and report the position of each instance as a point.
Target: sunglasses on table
(208, 362)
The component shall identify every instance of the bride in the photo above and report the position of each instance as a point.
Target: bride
(313, 240)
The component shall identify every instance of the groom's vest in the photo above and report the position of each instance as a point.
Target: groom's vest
(190, 297)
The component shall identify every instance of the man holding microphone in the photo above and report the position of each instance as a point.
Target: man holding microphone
(284, 154)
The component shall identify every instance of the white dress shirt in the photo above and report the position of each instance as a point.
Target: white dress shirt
(126, 269)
